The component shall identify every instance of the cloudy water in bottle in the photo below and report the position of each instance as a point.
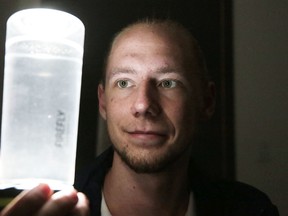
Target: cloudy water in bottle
(41, 98)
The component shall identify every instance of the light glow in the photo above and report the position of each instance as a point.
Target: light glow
(46, 24)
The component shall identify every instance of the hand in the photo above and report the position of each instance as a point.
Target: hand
(41, 201)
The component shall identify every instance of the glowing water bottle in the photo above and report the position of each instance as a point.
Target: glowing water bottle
(42, 80)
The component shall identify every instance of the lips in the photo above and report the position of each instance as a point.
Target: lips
(148, 132)
(147, 138)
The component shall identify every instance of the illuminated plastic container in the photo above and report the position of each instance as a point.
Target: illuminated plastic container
(42, 81)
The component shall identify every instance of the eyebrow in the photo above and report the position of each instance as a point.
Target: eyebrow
(167, 70)
(126, 70)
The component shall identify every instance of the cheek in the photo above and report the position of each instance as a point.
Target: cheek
(175, 111)
(112, 107)
(183, 114)
(115, 109)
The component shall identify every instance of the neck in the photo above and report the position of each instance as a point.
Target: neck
(129, 193)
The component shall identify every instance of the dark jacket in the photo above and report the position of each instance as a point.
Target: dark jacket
(211, 199)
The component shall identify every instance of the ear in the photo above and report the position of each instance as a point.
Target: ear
(209, 101)
(102, 101)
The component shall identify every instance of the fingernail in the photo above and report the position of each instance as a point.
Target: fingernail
(44, 189)
(71, 194)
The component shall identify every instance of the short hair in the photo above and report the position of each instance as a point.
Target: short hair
(173, 28)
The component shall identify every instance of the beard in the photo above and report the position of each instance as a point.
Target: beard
(148, 164)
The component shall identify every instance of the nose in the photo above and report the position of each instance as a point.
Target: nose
(146, 101)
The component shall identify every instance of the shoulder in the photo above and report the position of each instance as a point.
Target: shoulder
(96, 171)
(232, 198)
(90, 180)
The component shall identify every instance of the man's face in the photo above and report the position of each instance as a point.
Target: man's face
(150, 100)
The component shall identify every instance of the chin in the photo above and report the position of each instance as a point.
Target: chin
(147, 163)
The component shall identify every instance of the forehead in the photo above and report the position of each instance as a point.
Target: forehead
(148, 34)
(144, 40)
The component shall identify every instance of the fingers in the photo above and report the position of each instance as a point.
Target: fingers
(82, 207)
(40, 202)
(28, 202)
(61, 203)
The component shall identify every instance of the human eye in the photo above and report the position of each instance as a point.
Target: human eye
(168, 83)
(123, 83)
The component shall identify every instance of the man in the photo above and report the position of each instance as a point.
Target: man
(154, 94)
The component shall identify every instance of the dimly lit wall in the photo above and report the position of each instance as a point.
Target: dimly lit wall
(261, 96)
